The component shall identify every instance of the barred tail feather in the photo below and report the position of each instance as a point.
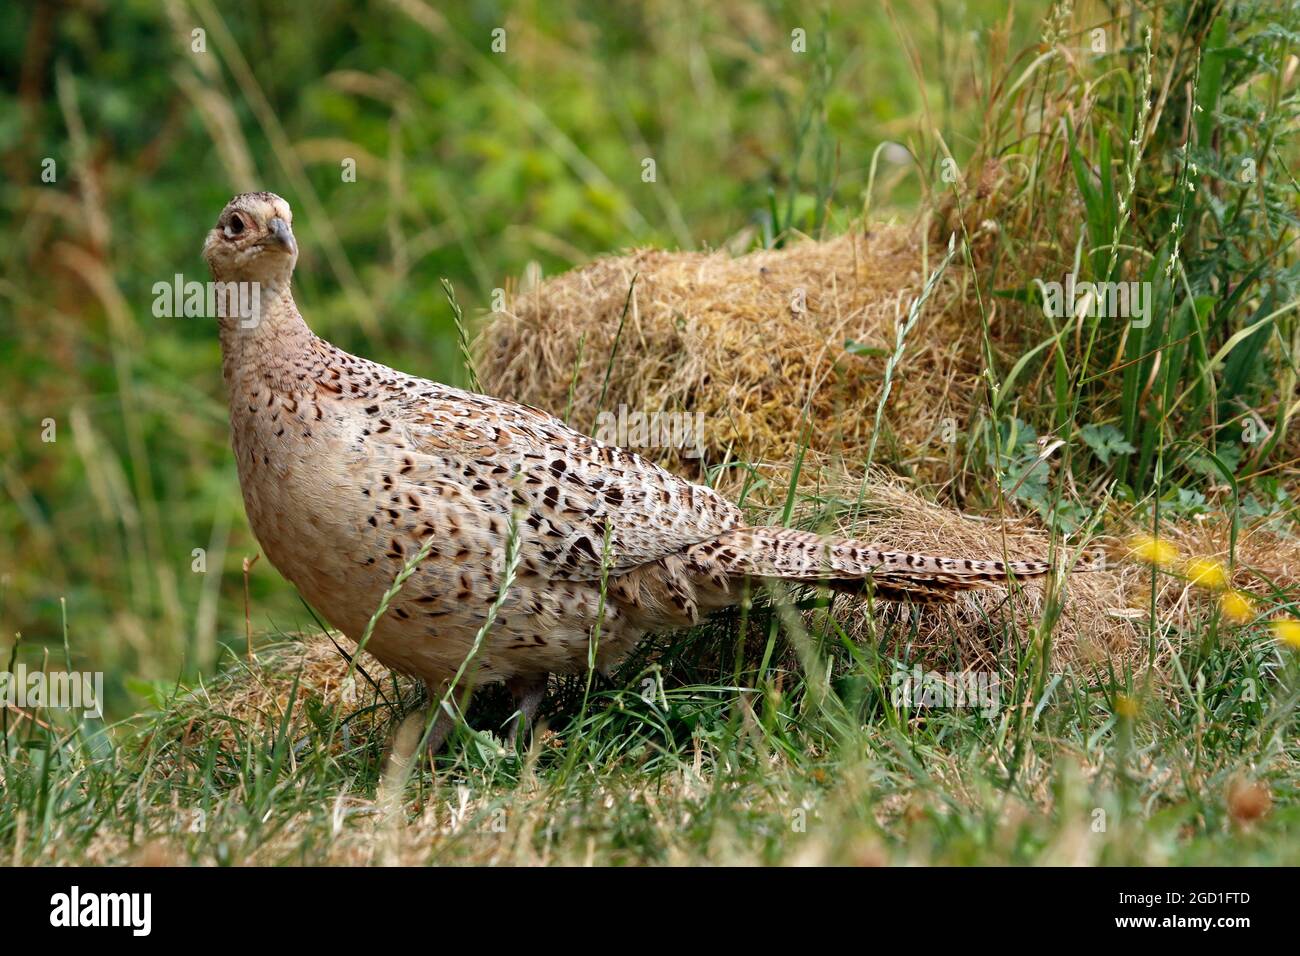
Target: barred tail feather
(846, 564)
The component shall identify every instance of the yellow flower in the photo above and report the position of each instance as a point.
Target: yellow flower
(1236, 607)
(1151, 550)
(1288, 632)
(1206, 573)
(1126, 706)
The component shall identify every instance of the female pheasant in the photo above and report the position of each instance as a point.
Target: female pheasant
(348, 467)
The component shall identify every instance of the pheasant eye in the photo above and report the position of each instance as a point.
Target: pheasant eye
(235, 226)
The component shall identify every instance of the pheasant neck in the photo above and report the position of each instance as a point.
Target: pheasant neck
(266, 341)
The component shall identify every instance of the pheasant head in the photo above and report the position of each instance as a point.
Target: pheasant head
(253, 242)
(251, 252)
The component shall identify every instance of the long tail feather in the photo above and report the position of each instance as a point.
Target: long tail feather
(846, 564)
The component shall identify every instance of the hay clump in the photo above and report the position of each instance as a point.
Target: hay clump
(755, 344)
(248, 701)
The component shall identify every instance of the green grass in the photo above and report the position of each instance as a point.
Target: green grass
(671, 762)
(769, 734)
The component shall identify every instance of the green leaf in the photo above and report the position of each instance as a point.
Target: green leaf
(1106, 441)
(871, 351)
(1213, 62)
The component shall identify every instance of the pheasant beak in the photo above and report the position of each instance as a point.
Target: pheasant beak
(280, 233)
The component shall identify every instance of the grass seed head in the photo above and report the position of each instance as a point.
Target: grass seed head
(1248, 800)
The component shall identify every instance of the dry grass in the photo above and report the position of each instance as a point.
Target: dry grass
(463, 824)
(755, 343)
(249, 700)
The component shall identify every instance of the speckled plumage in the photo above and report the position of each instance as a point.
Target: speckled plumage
(347, 467)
